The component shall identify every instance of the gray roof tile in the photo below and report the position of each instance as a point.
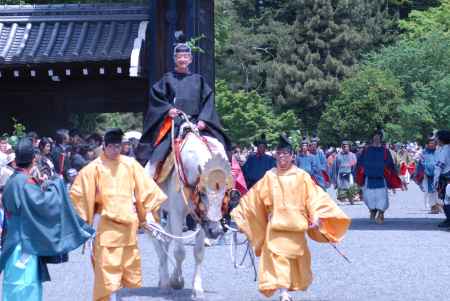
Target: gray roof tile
(33, 34)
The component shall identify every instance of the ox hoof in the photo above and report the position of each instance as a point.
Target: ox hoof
(198, 294)
(177, 282)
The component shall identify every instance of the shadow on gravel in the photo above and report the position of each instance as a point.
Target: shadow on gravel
(397, 224)
(148, 293)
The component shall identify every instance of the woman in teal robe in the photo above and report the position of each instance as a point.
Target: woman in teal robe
(40, 227)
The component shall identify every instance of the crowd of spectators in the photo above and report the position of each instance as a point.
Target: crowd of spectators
(64, 154)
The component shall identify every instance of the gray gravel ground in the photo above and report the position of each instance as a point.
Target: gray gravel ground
(404, 259)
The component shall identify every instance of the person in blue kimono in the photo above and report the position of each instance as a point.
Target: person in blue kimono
(442, 173)
(375, 174)
(258, 164)
(320, 161)
(424, 176)
(343, 173)
(305, 160)
(40, 227)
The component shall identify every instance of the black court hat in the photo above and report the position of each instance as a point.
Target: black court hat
(378, 131)
(24, 151)
(261, 140)
(181, 45)
(113, 136)
(315, 139)
(284, 142)
(431, 138)
(305, 141)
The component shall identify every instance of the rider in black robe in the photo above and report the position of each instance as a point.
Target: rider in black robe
(186, 92)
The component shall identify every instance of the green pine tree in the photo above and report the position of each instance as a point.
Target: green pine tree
(296, 52)
(324, 40)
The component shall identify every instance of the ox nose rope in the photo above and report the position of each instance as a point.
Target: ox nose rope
(157, 232)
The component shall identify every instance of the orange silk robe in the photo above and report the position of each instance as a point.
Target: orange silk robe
(275, 214)
(121, 193)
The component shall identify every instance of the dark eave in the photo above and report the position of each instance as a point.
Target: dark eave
(43, 34)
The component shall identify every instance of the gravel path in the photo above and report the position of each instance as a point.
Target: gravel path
(404, 259)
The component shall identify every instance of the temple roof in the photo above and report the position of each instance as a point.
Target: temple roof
(71, 33)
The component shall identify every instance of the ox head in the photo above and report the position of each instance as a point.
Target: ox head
(215, 181)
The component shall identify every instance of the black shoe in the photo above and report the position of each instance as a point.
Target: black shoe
(444, 224)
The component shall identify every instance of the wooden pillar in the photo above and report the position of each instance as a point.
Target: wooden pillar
(194, 17)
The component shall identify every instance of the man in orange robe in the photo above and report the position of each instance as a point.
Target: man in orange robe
(275, 215)
(114, 190)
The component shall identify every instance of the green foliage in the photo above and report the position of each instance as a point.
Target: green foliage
(222, 26)
(125, 121)
(371, 98)
(240, 58)
(419, 68)
(436, 97)
(19, 129)
(246, 115)
(415, 122)
(417, 61)
(404, 7)
(296, 52)
(193, 44)
(422, 67)
(329, 37)
(420, 23)
(93, 122)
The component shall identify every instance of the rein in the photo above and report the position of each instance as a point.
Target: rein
(158, 232)
(198, 212)
(177, 145)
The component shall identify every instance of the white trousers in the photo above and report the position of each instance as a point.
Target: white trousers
(431, 199)
(376, 198)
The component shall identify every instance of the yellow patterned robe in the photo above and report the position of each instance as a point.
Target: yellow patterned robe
(121, 193)
(275, 214)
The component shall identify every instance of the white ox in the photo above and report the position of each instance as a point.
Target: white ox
(195, 156)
